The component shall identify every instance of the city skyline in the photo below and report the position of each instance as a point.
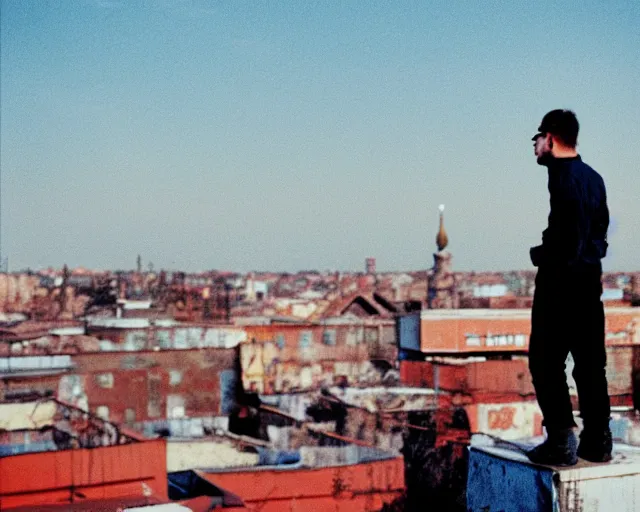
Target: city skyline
(296, 137)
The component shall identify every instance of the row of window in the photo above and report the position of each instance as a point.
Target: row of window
(329, 337)
(497, 340)
(105, 380)
(35, 363)
(175, 410)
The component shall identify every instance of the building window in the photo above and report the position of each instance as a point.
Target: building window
(175, 377)
(105, 380)
(352, 336)
(102, 411)
(306, 377)
(280, 340)
(135, 341)
(154, 389)
(473, 340)
(329, 337)
(175, 407)
(129, 416)
(305, 339)
(371, 334)
(163, 339)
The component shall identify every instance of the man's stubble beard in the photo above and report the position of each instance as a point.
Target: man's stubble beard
(545, 159)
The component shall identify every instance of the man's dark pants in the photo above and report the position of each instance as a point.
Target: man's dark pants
(568, 317)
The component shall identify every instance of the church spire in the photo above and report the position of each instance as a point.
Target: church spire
(441, 282)
(442, 239)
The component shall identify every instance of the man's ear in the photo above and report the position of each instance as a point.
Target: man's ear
(550, 141)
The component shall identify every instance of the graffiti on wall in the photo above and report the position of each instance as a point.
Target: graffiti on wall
(515, 420)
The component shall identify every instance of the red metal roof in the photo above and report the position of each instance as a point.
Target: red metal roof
(100, 505)
(366, 487)
(50, 478)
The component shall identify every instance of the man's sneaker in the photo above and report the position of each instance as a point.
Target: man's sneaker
(595, 445)
(559, 449)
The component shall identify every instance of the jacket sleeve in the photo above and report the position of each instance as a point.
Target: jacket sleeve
(563, 240)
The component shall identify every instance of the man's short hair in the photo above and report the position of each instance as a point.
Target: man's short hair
(562, 124)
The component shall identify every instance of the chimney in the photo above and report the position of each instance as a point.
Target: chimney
(370, 265)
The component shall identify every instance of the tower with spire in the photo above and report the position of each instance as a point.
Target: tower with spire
(441, 288)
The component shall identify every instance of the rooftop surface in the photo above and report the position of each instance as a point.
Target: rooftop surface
(501, 477)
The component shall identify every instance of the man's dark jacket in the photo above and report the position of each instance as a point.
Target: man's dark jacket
(576, 237)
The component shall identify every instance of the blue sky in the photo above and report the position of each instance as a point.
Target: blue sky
(305, 135)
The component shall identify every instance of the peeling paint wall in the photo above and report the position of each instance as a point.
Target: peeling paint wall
(284, 358)
(264, 371)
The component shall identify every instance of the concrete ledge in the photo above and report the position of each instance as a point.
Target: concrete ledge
(504, 479)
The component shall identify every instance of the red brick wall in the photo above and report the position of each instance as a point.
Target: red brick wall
(131, 380)
(138, 376)
(511, 376)
(428, 374)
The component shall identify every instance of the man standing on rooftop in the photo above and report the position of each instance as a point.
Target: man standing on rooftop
(569, 260)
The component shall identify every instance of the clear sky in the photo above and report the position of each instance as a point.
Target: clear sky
(305, 135)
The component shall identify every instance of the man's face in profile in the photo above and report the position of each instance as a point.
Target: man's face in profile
(542, 148)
